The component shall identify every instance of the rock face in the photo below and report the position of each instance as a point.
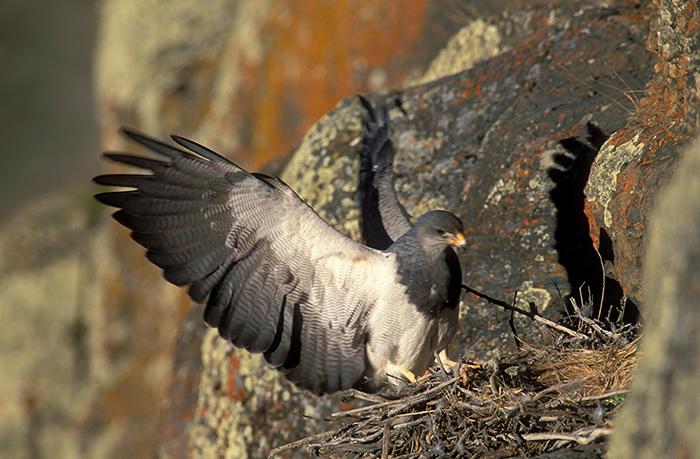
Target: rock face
(250, 77)
(660, 418)
(55, 262)
(640, 158)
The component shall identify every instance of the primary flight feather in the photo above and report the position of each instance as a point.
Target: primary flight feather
(328, 312)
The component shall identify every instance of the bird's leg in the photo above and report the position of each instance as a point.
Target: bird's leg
(400, 374)
(408, 374)
(447, 363)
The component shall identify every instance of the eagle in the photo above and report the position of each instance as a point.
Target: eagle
(330, 313)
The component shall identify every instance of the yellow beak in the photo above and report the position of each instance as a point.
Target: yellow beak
(458, 240)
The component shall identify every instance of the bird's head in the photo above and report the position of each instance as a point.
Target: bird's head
(440, 227)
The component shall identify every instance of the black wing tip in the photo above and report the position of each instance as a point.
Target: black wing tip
(366, 104)
(200, 149)
(181, 139)
(190, 144)
(382, 120)
(104, 180)
(121, 180)
(134, 134)
(122, 217)
(112, 198)
(152, 143)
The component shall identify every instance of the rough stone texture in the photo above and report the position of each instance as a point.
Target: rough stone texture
(54, 260)
(474, 43)
(245, 408)
(661, 417)
(249, 78)
(640, 158)
(176, 413)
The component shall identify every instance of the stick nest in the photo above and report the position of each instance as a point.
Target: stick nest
(540, 398)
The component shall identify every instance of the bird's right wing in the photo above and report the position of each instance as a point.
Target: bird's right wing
(277, 278)
(384, 219)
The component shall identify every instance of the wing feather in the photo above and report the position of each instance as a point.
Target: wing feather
(275, 277)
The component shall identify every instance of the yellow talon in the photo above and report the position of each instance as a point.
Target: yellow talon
(408, 374)
(446, 362)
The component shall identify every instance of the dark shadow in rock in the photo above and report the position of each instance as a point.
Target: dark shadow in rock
(572, 239)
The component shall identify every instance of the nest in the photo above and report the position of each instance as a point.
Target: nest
(538, 399)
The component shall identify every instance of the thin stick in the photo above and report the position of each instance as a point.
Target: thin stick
(602, 290)
(299, 443)
(555, 388)
(421, 397)
(591, 323)
(578, 436)
(385, 440)
(354, 393)
(532, 315)
(630, 92)
(363, 409)
(511, 321)
(603, 396)
(589, 86)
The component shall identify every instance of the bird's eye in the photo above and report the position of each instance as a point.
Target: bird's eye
(441, 232)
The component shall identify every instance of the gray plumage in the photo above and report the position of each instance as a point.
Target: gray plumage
(328, 312)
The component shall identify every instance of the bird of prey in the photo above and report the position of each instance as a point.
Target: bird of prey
(330, 313)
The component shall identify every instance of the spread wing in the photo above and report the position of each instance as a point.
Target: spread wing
(276, 278)
(384, 219)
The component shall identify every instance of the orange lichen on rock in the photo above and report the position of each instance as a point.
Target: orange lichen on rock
(316, 54)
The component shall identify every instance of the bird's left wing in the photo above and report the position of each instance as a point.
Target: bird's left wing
(277, 278)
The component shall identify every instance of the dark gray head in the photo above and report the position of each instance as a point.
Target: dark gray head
(441, 228)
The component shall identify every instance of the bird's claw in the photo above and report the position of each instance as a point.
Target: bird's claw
(408, 374)
(447, 363)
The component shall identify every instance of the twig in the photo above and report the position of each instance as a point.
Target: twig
(603, 396)
(300, 443)
(579, 436)
(440, 364)
(602, 289)
(630, 92)
(421, 397)
(589, 86)
(511, 321)
(532, 315)
(555, 388)
(590, 322)
(363, 409)
(354, 393)
(493, 363)
(385, 440)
